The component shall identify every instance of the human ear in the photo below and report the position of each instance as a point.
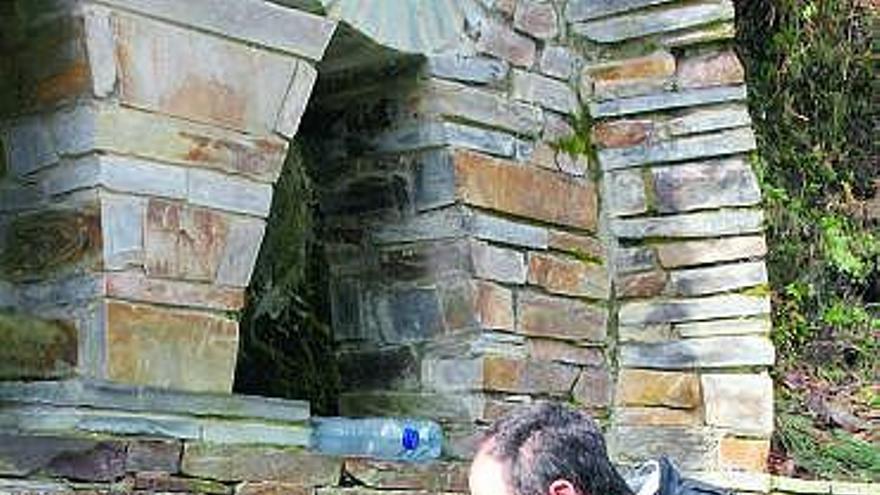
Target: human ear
(562, 487)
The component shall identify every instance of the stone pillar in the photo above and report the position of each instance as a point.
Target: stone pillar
(141, 139)
(674, 138)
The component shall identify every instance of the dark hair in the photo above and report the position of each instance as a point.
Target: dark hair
(544, 443)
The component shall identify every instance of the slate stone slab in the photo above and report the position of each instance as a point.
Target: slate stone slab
(700, 281)
(687, 148)
(715, 352)
(664, 20)
(483, 107)
(582, 10)
(687, 187)
(667, 101)
(249, 463)
(473, 69)
(702, 224)
(681, 310)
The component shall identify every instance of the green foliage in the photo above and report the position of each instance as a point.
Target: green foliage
(810, 75)
(287, 346)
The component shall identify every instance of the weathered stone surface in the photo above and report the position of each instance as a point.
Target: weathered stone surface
(644, 284)
(544, 91)
(118, 174)
(215, 190)
(711, 69)
(699, 281)
(23, 455)
(717, 352)
(99, 40)
(498, 229)
(297, 98)
(667, 101)
(183, 241)
(19, 486)
(558, 61)
(479, 139)
(749, 326)
(399, 370)
(175, 349)
(658, 388)
(647, 334)
(455, 406)
(636, 25)
(625, 193)
(675, 255)
(708, 119)
(28, 146)
(564, 352)
(503, 186)
(556, 127)
(104, 461)
(494, 306)
(160, 482)
(622, 133)
(657, 416)
(499, 374)
(687, 148)
(537, 18)
(745, 454)
(689, 448)
(175, 71)
(637, 259)
(472, 69)
(284, 29)
(240, 254)
(272, 488)
(703, 224)
(593, 388)
(630, 77)
(682, 310)
(498, 264)
(415, 315)
(122, 225)
(153, 455)
(567, 276)
(434, 477)
(250, 463)
(545, 316)
(742, 403)
(483, 107)
(581, 246)
(500, 41)
(581, 10)
(708, 185)
(34, 349)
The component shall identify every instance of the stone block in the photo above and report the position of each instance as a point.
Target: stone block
(658, 388)
(744, 454)
(21, 456)
(679, 254)
(100, 46)
(502, 42)
(724, 278)
(153, 455)
(272, 488)
(702, 224)
(122, 225)
(658, 416)
(689, 187)
(684, 310)
(35, 349)
(711, 69)
(636, 259)
(297, 98)
(172, 70)
(29, 146)
(104, 461)
(582, 10)
(494, 305)
(559, 62)
(593, 388)
(415, 315)
(468, 68)
(159, 482)
(556, 127)
(459, 101)
(723, 31)
(715, 352)
(239, 257)
(582, 246)
(133, 286)
(630, 77)
(556, 317)
(224, 192)
(622, 133)
(170, 348)
(740, 403)
(667, 101)
(708, 119)
(434, 477)
(689, 448)
(499, 374)
(722, 143)
(642, 285)
(661, 20)
(536, 18)
(625, 193)
(509, 188)
(498, 264)
(498, 229)
(183, 241)
(445, 407)
(564, 352)
(647, 334)
(544, 91)
(479, 139)
(748, 326)
(255, 463)
(399, 369)
(568, 276)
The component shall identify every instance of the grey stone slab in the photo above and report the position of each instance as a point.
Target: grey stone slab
(713, 352)
(122, 227)
(434, 180)
(722, 143)
(498, 264)
(688, 447)
(683, 310)
(112, 396)
(101, 48)
(445, 223)
(256, 22)
(708, 119)
(742, 403)
(689, 253)
(247, 433)
(240, 254)
(667, 101)
(501, 230)
(582, 10)
(17, 197)
(716, 328)
(259, 463)
(481, 106)
(637, 259)
(640, 24)
(474, 138)
(29, 146)
(625, 193)
(700, 186)
(700, 281)
(224, 192)
(414, 315)
(702, 224)
(22, 487)
(298, 94)
(451, 407)
(559, 61)
(468, 68)
(544, 91)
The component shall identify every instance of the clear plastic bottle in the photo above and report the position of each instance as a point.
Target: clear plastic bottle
(378, 438)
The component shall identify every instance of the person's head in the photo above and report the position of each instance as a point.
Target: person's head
(547, 449)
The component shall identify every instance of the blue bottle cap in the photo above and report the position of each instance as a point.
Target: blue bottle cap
(410, 438)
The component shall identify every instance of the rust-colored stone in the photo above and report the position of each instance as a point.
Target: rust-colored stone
(556, 317)
(564, 352)
(183, 241)
(657, 65)
(622, 133)
(658, 388)
(137, 287)
(149, 345)
(746, 454)
(567, 276)
(494, 306)
(645, 284)
(580, 246)
(714, 69)
(658, 416)
(69, 83)
(526, 376)
(523, 191)
(261, 158)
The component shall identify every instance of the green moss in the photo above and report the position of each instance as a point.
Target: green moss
(35, 348)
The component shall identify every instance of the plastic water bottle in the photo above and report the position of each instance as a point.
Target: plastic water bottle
(378, 438)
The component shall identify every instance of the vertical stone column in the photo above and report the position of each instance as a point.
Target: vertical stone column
(141, 139)
(674, 138)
